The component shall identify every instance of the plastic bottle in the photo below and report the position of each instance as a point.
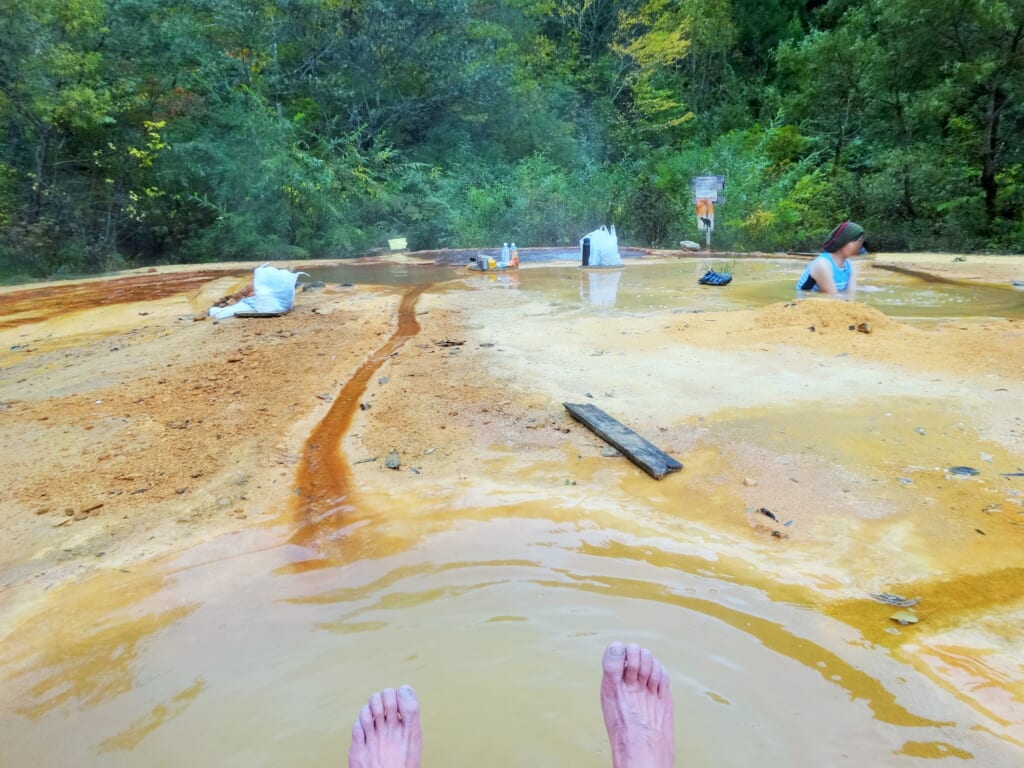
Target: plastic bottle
(513, 258)
(491, 263)
(504, 255)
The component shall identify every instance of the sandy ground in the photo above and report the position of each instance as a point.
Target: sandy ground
(133, 429)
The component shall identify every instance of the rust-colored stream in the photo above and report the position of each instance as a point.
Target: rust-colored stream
(33, 305)
(323, 477)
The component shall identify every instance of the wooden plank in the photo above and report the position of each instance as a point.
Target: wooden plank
(257, 314)
(651, 459)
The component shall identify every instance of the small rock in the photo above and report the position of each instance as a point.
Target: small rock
(325, 397)
(749, 482)
(904, 617)
(365, 406)
(864, 327)
(920, 431)
(961, 471)
(393, 460)
(890, 599)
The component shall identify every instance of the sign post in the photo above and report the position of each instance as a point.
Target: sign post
(706, 192)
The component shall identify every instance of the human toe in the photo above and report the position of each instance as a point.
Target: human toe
(632, 673)
(408, 704)
(614, 661)
(389, 699)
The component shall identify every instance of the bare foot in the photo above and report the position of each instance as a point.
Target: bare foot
(637, 706)
(387, 733)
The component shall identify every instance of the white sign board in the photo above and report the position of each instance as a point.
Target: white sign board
(706, 188)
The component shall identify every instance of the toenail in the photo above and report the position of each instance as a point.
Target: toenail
(616, 650)
(406, 692)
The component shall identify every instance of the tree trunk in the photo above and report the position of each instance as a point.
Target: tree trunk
(996, 102)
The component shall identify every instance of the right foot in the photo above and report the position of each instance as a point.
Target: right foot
(387, 733)
(637, 706)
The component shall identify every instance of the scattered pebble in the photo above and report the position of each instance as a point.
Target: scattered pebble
(961, 471)
(767, 513)
(891, 599)
(904, 617)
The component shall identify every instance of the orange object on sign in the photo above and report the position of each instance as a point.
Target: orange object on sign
(705, 213)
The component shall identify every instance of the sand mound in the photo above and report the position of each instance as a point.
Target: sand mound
(824, 314)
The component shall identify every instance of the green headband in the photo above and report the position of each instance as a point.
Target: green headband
(842, 235)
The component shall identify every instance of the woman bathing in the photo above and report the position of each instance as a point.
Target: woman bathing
(832, 272)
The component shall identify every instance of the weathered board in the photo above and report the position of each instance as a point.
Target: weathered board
(258, 314)
(651, 459)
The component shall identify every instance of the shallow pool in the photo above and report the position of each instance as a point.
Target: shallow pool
(644, 284)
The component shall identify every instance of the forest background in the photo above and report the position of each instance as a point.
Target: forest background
(141, 132)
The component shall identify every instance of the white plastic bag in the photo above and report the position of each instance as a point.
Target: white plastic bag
(273, 291)
(604, 248)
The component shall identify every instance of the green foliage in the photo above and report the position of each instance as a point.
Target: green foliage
(143, 131)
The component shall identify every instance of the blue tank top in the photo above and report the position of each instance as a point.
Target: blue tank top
(841, 277)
